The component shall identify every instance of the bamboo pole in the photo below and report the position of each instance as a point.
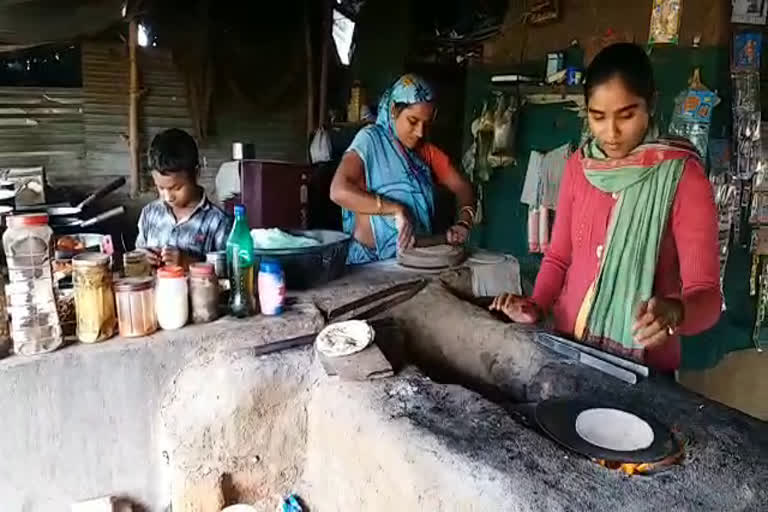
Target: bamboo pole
(310, 70)
(133, 108)
(326, 39)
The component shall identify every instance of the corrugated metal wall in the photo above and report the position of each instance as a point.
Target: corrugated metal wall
(163, 105)
(42, 126)
(80, 135)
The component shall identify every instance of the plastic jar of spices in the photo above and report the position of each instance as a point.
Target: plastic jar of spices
(136, 264)
(171, 298)
(94, 300)
(135, 297)
(271, 287)
(203, 292)
(35, 326)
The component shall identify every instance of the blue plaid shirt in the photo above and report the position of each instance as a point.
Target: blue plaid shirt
(205, 230)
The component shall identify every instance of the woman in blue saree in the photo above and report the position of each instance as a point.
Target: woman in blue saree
(385, 181)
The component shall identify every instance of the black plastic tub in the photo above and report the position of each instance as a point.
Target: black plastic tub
(307, 267)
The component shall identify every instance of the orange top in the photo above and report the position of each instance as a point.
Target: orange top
(437, 160)
(29, 219)
(170, 272)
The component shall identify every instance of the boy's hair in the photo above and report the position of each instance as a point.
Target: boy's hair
(174, 151)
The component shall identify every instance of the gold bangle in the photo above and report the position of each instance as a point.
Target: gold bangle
(379, 205)
(464, 224)
(471, 212)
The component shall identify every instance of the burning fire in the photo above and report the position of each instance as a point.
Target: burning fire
(645, 468)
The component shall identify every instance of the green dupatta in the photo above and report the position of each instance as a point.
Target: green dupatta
(645, 182)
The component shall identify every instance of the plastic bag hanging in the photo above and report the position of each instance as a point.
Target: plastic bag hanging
(504, 131)
(484, 144)
(693, 113)
(320, 148)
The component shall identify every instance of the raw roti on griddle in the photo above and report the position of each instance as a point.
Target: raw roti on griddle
(344, 338)
(614, 429)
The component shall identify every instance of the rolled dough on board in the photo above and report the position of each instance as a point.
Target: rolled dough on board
(344, 338)
(614, 429)
(436, 256)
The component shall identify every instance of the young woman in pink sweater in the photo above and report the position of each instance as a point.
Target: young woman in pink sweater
(633, 261)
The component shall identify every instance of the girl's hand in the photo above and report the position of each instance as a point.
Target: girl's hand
(405, 236)
(457, 234)
(657, 321)
(521, 310)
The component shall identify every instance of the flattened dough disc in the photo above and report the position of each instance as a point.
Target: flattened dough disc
(436, 256)
(614, 429)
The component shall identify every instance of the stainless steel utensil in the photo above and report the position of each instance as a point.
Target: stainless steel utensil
(71, 211)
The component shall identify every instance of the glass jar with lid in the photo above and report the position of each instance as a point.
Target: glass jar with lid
(35, 326)
(203, 292)
(135, 297)
(136, 264)
(171, 298)
(94, 299)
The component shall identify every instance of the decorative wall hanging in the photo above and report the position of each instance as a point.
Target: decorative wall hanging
(747, 50)
(540, 12)
(665, 22)
(751, 12)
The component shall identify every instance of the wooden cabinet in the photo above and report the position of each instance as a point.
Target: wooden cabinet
(275, 194)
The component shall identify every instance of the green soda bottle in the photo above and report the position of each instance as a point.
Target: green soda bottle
(240, 260)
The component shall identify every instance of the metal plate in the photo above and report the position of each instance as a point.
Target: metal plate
(557, 418)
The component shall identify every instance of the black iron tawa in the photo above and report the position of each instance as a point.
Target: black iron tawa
(557, 418)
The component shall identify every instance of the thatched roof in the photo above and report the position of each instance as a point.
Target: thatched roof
(25, 23)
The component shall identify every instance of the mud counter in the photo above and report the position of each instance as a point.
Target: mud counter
(187, 417)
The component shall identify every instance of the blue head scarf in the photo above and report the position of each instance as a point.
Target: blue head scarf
(393, 171)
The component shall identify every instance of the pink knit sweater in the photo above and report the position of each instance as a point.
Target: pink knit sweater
(688, 266)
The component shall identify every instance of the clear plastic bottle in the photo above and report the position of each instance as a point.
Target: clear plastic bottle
(35, 326)
(271, 287)
(5, 335)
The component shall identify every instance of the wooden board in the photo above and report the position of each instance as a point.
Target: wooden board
(368, 364)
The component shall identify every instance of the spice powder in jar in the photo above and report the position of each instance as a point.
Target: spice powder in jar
(136, 264)
(135, 297)
(171, 298)
(94, 300)
(203, 292)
